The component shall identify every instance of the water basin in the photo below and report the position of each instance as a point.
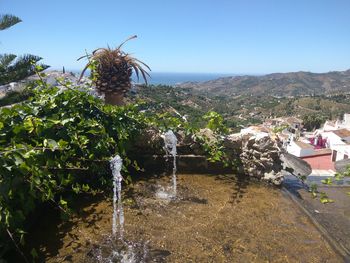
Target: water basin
(212, 219)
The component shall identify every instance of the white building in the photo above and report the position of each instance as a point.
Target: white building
(339, 142)
(336, 125)
(292, 123)
(340, 152)
(300, 149)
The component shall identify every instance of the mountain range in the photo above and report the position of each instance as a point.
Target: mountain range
(276, 84)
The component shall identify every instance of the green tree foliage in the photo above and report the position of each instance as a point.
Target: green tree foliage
(313, 121)
(13, 68)
(216, 122)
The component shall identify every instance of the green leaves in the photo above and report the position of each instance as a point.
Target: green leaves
(7, 21)
(325, 199)
(327, 181)
(63, 203)
(32, 124)
(313, 190)
(216, 122)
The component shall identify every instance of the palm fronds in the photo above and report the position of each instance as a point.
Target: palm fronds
(13, 68)
(7, 21)
(113, 68)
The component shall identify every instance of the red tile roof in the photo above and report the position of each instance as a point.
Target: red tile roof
(323, 162)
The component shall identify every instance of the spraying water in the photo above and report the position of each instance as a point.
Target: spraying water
(116, 165)
(118, 249)
(170, 142)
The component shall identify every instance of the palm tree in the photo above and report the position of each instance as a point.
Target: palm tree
(7, 21)
(111, 71)
(13, 68)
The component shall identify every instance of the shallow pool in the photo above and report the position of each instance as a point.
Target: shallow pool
(212, 219)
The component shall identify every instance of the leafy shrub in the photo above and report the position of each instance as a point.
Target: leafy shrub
(216, 122)
(58, 142)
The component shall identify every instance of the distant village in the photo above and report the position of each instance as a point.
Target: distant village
(320, 148)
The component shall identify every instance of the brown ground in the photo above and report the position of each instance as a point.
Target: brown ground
(214, 219)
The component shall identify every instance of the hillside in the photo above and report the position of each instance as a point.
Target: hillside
(237, 109)
(277, 84)
(240, 110)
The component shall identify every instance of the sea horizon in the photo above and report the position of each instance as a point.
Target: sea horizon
(172, 78)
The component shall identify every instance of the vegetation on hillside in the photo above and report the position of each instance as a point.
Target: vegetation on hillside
(241, 111)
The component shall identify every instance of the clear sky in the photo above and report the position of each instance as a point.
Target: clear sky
(209, 36)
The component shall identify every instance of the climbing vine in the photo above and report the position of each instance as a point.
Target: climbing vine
(56, 145)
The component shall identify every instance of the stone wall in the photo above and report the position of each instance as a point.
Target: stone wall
(258, 155)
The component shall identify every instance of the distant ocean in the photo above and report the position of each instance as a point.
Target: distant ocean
(166, 78)
(176, 78)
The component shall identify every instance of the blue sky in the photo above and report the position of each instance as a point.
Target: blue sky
(222, 36)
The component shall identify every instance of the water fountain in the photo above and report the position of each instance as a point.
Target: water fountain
(170, 142)
(116, 165)
(115, 248)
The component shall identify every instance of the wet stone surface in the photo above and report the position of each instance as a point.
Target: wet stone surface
(333, 218)
(211, 219)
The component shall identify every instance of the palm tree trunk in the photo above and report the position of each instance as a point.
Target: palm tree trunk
(114, 98)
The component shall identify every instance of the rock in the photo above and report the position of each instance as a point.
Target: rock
(342, 165)
(274, 178)
(184, 143)
(233, 142)
(296, 165)
(260, 158)
(150, 142)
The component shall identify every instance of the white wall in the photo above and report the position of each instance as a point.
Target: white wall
(296, 150)
(342, 150)
(332, 139)
(346, 121)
